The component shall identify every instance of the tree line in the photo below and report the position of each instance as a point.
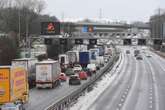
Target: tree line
(19, 19)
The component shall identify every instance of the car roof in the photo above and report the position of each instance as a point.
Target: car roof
(74, 76)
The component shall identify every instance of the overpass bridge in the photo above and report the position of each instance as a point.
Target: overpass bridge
(120, 26)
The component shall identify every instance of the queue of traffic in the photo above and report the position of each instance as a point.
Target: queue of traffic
(137, 53)
(73, 66)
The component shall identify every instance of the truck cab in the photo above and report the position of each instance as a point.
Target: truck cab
(64, 61)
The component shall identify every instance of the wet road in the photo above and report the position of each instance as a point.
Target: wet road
(138, 85)
(40, 99)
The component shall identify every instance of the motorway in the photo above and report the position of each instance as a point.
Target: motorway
(138, 85)
(40, 99)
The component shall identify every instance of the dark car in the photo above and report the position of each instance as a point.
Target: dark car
(127, 52)
(139, 57)
(74, 80)
(89, 73)
(32, 81)
(136, 53)
(69, 72)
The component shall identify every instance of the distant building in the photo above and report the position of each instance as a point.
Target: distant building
(157, 23)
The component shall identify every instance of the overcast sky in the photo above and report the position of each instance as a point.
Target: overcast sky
(124, 10)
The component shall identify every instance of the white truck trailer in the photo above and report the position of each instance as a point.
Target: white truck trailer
(73, 57)
(47, 74)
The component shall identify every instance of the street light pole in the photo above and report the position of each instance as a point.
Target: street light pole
(28, 47)
(19, 23)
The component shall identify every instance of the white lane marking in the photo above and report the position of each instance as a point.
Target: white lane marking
(125, 92)
(132, 88)
(159, 63)
(120, 104)
(86, 103)
(124, 96)
(150, 98)
(150, 106)
(118, 109)
(155, 86)
(150, 102)
(122, 100)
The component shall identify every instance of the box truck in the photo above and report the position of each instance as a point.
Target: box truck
(73, 57)
(29, 65)
(94, 53)
(84, 58)
(100, 61)
(13, 85)
(47, 74)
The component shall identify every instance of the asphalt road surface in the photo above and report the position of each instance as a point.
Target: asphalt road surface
(139, 84)
(40, 99)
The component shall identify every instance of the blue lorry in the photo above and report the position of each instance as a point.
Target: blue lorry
(84, 58)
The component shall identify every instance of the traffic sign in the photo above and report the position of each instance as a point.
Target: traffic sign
(78, 41)
(92, 41)
(90, 29)
(85, 29)
(48, 41)
(158, 42)
(63, 41)
(50, 28)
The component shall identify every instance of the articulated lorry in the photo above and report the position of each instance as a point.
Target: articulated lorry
(29, 65)
(47, 74)
(84, 58)
(13, 86)
(73, 57)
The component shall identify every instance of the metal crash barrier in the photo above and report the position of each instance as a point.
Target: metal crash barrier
(66, 100)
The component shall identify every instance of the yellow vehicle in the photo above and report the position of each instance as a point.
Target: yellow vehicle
(13, 85)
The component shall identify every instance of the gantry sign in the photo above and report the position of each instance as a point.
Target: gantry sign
(53, 29)
(50, 28)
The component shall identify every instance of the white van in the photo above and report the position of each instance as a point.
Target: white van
(63, 59)
(92, 67)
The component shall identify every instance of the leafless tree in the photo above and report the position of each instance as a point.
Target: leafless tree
(36, 6)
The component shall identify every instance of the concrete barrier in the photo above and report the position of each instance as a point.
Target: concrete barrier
(66, 100)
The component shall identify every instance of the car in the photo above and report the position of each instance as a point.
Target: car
(144, 48)
(139, 57)
(92, 67)
(77, 68)
(74, 80)
(62, 77)
(106, 58)
(83, 75)
(69, 71)
(12, 106)
(127, 52)
(136, 53)
(89, 73)
(148, 55)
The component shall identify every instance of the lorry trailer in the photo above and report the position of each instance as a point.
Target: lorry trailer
(29, 65)
(84, 58)
(47, 74)
(13, 85)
